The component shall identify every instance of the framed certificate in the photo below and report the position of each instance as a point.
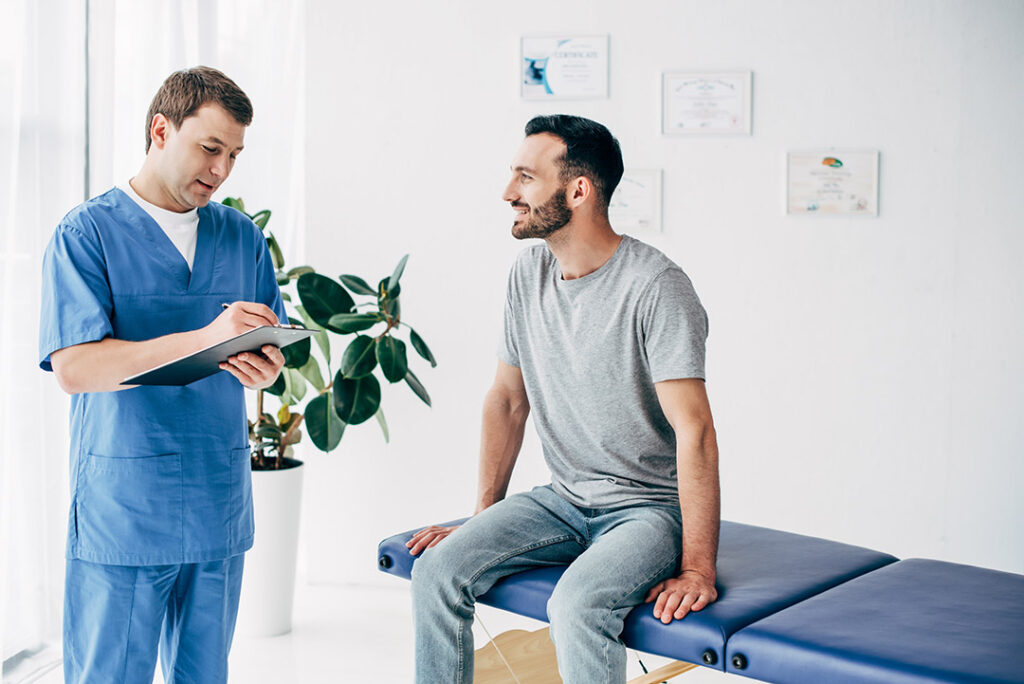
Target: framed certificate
(636, 204)
(706, 103)
(832, 182)
(563, 67)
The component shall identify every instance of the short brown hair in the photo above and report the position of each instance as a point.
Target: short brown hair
(186, 91)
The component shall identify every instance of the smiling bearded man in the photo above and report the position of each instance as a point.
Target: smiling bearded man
(604, 340)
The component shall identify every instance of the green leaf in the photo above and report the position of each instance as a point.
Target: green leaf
(393, 282)
(322, 298)
(421, 348)
(296, 354)
(385, 292)
(260, 218)
(417, 387)
(297, 384)
(324, 426)
(307, 319)
(394, 308)
(300, 270)
(281, 278)
(286, 297)
(382, 421)
(357, 285)
(311, 371)
(287, 397)
(235, 203)
(359, 359)
(322, 340)
(275, 252)
(277, 389)
(356, 400)
(354, 322)
(269, 431)
(392, 358)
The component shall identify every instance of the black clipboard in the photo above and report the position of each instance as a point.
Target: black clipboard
(206, 362)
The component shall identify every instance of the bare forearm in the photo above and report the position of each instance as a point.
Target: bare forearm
(101, 366)
(501, 437)
(699, 499)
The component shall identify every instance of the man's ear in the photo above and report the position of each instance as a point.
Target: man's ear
(578, 191)
(159, 130)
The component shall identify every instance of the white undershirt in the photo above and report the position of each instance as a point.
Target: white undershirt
(181, 228)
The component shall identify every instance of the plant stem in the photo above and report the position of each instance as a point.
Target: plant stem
(286, 439)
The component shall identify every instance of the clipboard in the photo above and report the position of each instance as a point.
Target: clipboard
(206, 362)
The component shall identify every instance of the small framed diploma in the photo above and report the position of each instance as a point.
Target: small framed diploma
(832, 182)
(563, 67)
(712, 103)
(636, 204)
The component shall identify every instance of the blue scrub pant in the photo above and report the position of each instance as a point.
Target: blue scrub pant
(116, 615)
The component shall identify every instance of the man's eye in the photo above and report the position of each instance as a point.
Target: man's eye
(525, 177)
(211, 150)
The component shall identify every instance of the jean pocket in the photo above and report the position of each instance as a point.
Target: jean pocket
(130, 509)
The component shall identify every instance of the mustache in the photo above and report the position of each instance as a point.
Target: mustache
(519, 205)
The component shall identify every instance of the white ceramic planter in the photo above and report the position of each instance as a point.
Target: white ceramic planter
(268, 582)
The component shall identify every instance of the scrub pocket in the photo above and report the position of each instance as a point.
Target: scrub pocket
(240, 514)
(129, 510)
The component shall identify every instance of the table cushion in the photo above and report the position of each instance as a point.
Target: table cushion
(760, 571)
(913, 621)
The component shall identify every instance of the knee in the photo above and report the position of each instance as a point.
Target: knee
(437, 574)
(573, 606)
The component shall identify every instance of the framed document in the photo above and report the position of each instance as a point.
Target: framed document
(832, 182)
(711, 103)
(636, 204)
(563, 67)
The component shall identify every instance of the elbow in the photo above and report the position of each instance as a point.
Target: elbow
(68, 379)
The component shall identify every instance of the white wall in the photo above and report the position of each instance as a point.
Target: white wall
(865, 374)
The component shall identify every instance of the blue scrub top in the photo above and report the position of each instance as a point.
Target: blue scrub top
(159, 475)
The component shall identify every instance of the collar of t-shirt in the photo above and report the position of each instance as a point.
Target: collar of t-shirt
(181, 228)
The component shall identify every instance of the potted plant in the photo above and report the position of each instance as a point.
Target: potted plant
(337, 391)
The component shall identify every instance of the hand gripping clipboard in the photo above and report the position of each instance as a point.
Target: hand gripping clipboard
(206, 362)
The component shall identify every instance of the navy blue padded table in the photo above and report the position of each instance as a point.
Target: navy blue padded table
(911, 622)
(760, 572)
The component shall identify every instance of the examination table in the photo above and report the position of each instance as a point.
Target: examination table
(802, 610)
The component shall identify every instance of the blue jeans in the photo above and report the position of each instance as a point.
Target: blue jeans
(114, 617)
(614, 557)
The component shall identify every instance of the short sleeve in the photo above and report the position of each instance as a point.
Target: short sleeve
(76, 302)
(267, 290)
(674, 327)
(508, 350)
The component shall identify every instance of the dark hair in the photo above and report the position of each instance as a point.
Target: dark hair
(590, 150)
(186, 91)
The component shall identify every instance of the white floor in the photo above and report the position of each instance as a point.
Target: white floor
(364, 634)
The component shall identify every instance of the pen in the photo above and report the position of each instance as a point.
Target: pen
(225, 305)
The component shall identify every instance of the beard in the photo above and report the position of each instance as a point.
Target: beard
(544, 220)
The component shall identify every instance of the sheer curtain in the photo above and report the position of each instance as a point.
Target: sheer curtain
(133, 46)
(41, 135)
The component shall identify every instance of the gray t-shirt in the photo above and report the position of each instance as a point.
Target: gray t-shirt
(590, 351)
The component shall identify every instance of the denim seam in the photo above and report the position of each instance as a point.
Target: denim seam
(501, 559)
(617, 605)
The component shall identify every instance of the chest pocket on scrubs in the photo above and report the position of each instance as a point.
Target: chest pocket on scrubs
(129, 507)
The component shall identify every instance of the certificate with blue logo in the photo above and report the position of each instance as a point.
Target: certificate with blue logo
(563, 67)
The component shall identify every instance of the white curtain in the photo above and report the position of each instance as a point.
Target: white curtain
(258, 43)
(133, 46)
(41, 177)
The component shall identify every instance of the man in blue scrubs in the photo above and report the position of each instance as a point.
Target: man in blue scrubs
(161, 502)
